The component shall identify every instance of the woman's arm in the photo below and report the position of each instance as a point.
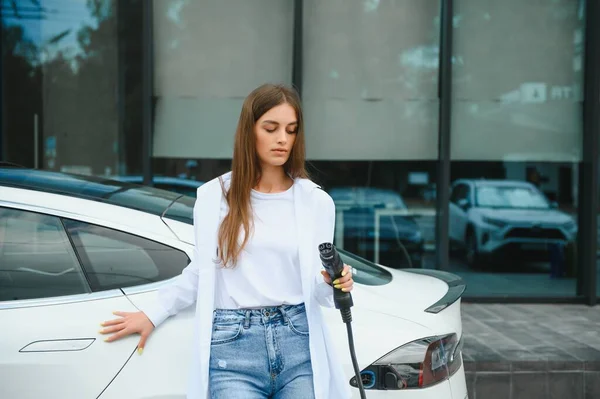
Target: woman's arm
(175, 296)
(182, 291)
(178, 294)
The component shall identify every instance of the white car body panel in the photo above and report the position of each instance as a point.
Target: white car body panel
(167, 353)
(60, 371)
(384, 318)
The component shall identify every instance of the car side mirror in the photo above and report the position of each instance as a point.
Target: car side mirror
(554, 205)
(463, 203)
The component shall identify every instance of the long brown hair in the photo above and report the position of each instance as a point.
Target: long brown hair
(245, 166)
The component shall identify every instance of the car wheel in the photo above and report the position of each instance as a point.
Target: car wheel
(472, 252)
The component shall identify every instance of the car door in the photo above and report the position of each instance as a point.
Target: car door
(459, 197)
(59, 279)
(49, 317)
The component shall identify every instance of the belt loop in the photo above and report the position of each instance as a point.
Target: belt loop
(247, 320)
(284, 315)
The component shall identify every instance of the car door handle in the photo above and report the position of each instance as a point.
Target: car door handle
(58, 345)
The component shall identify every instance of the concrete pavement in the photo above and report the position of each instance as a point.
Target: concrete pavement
(532, 351)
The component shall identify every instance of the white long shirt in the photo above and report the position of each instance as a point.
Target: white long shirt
(267, 272)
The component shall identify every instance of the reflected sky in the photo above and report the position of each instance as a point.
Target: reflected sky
(45, 20)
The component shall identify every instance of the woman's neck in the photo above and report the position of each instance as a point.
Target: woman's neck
(273, 180)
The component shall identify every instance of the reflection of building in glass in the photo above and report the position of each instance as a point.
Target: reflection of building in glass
(372, 78)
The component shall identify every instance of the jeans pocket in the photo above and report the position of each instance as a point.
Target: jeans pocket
(298, 324)
(225, 333)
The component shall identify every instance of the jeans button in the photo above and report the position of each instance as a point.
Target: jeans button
(267, 314)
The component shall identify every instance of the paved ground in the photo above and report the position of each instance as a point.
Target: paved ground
(532, 351)
(531, 332)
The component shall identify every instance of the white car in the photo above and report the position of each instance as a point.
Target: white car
(497, 217)
(75, 249)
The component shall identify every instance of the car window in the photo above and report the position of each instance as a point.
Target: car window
(114, 259)
(182, 210)
(460, 191)
(454, 196)
(511, 197)
(36, 257)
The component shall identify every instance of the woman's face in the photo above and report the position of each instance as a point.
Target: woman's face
(275, 135)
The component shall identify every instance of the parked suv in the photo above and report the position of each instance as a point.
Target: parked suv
(505, 217)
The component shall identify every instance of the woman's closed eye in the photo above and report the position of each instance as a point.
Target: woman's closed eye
(293, 131)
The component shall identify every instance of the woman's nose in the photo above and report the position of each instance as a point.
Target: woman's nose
(281, 137)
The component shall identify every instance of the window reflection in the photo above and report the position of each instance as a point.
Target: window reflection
(36, 258)
(383, 214)
(71, 77)
(516, 144)
(510, 195)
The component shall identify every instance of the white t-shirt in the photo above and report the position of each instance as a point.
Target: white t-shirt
(267, 272)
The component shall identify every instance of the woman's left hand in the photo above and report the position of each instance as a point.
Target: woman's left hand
(344, 283)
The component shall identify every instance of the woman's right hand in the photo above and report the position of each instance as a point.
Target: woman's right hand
(128, 323)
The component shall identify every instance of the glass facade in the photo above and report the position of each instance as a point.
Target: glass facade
(71, 85)
(516, 145)
(372, 83)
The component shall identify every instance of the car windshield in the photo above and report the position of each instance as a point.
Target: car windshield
(510, 197)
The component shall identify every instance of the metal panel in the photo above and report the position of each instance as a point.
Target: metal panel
(588, 189)
(147, 91)
(445, 112)
(297, 45)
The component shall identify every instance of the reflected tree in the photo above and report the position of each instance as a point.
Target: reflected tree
(85, 91)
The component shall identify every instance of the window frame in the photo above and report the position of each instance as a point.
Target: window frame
(172, 242)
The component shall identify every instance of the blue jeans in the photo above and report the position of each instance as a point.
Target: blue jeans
(261, 353)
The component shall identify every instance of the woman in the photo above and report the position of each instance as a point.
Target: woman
(256, 275)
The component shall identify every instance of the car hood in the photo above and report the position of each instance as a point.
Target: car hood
(547, 216)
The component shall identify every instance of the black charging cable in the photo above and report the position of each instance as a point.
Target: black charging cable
(330, 258)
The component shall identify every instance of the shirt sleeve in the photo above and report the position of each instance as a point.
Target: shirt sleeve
(181, 291)
(178, 294)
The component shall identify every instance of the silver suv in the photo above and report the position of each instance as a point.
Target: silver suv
(506, 217)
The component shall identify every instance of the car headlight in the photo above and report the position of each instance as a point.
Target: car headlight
(570, 226)
(418, 364)
(493, 222)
